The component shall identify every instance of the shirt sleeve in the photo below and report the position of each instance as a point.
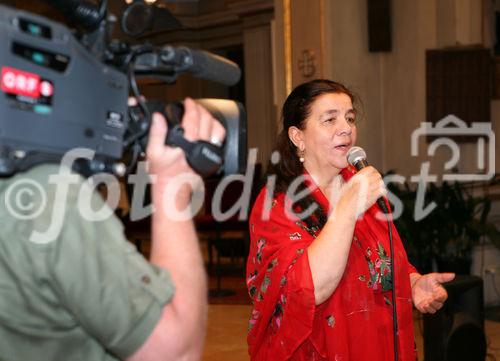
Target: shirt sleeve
(280, 284)
(115, 294)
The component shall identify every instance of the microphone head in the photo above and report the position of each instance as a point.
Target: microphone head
(355, 154)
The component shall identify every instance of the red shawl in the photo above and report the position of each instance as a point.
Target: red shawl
(355, 323)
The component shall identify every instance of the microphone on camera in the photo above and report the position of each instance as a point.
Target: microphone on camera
(357, 158)
(171, 60)
(206, 65)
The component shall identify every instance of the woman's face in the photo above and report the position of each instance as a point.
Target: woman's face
(330, 131)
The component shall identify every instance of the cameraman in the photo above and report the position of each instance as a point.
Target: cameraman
(89, 295)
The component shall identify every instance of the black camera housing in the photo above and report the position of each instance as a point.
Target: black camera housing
(55, 95)
(59, 92)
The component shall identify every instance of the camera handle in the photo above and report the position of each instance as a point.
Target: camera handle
(205, 158)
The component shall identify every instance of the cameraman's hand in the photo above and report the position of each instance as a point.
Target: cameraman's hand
(166, 162)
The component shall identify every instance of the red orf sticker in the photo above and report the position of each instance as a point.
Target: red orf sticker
(20, 82)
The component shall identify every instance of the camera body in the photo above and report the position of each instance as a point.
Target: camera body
(55, 95)
(58, 92)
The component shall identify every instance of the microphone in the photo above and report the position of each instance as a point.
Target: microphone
(171, 61)
(357, 158)
(200, 63)
(210, 66)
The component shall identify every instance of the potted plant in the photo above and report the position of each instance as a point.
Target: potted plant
(415, 235)
(448, 234)
(462, 221)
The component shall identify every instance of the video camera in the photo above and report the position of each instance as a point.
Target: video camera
(60, 91)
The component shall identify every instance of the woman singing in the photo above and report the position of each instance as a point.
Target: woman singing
(318, 271)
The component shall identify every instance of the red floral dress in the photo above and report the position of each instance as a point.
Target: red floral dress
(355, 323)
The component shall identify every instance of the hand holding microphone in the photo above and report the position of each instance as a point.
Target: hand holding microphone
(368, 181)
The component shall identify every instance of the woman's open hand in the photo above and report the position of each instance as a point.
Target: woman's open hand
(427, 292)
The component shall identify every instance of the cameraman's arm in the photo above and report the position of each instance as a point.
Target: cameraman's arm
(179, 334)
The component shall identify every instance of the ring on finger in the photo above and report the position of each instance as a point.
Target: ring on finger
(216, 141)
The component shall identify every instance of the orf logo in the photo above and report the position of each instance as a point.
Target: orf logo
(20, 82)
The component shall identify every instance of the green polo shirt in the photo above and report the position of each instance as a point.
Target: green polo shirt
(85, 295)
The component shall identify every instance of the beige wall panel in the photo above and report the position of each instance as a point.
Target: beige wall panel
(447, 24)
(306, 31)
(404, 81)
(259, 91)
(469, 24)
(460, 22)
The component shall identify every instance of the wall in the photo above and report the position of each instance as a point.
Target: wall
(391, 85)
